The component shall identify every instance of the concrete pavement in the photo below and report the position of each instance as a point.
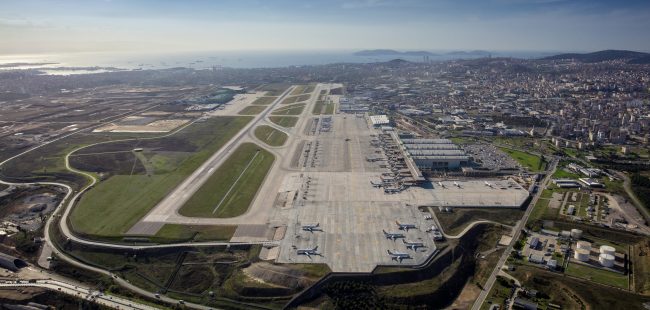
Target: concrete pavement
(490, 282)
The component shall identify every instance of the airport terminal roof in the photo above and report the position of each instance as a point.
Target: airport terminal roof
(438, 157)
(442, 146)
(437, 152)
(426, 141)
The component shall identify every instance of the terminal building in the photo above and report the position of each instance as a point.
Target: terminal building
(435, 154)
(347, 105)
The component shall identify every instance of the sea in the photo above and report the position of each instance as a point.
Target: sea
(84, 63)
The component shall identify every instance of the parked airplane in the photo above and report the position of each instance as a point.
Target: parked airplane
(488, 184)
(398, 255)
(456, 184)
(413, 245)
(441, 185)
(311, 227)
(308, 252)
(392, 236)
(405, 226)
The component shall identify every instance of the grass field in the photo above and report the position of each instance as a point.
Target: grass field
(284, 121)
(232, 187)
(270, 135)
(456, 221)
(526, 160)
(264, 100)
(597, 275)
(303, 89)
(572, 293)
(294, 109)
(48, 162)
(114, 205)
(252, 110)
(641, 265)
(294, 99)
(182, 233)
(274, 89)
(501, 290)
(323, 108)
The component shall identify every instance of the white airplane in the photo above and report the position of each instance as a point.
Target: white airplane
(405, 226)
(441, 185)
(393, 236)
(413, 245)
(398, 255)
(308, 252)
(456, 184)
(311, 227)
(488, 184)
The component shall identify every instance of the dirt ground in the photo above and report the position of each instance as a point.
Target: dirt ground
(467, 296)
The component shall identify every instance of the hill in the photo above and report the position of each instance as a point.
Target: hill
(470, 53)
(607, 55)
(387, 52)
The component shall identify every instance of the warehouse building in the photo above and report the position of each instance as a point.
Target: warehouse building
(379, 120)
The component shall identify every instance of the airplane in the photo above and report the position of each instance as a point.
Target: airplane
(311, 227)
(405, 226)
(413, 245)
(308, 252)
(393, 236)
(441, 185)
(456, 184)
(376, 184)
(398, 255)
(488, 184)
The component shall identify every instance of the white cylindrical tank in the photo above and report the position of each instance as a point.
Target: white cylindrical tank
(581, 255)
(583, 245)
(606, 249)
(607, 260)
(576, 233)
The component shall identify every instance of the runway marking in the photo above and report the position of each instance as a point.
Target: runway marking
(236, 181)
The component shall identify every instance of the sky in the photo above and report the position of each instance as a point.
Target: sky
(64, 26)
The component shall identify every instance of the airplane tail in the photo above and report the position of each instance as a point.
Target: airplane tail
(315, 248)
(317, 224)
(385, 233)
(403, 241)
(389, 252)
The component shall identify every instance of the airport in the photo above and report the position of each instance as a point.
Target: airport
(350, 174)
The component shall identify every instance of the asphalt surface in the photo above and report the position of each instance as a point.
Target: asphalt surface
(81, 292)
(169, 206)
(490, 282)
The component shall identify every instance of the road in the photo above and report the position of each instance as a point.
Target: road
(627, 185)
(78, 291)
(490, 282)
(71, 196)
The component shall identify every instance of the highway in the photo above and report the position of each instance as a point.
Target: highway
(66, 204)
(506, 253)
(78, 291)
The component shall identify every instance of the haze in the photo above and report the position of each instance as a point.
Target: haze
(38, 26)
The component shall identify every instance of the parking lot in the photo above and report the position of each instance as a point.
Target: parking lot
(490, 157)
